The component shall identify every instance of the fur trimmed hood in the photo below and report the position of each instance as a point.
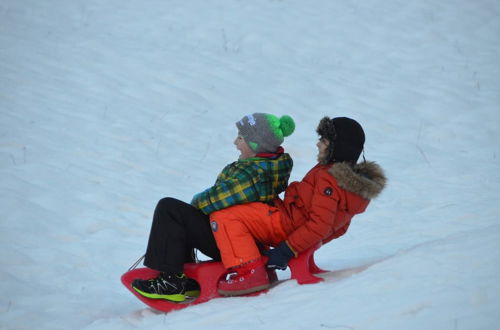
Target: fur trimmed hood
(366, 179)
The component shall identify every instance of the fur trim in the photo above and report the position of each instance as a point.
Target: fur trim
(366, 179)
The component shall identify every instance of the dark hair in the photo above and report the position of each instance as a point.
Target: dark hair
(326, 130)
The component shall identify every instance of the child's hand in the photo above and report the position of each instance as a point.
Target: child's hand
(279, 256)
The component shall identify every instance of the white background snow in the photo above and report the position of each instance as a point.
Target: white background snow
(108, 106)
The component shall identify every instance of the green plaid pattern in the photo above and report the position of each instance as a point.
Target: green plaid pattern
(248, 180)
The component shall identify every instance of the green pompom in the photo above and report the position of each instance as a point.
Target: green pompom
(287, 125)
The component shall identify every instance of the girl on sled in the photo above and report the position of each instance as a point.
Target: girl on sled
(317, 209)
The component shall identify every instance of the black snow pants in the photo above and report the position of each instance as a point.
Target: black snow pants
(177, 229)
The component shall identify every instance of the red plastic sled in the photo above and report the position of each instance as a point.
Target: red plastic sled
(208, 274)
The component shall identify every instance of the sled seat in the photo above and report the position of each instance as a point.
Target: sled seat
(209, 273)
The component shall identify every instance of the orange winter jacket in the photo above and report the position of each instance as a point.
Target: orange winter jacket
(321, 206)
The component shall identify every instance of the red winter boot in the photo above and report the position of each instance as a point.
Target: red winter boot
(247, 278)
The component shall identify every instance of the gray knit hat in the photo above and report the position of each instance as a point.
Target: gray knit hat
(264, 132)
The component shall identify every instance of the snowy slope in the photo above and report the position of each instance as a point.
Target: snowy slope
(108, 106)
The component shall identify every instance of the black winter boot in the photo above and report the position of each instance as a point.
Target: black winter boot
(192, 288)
(172, 287)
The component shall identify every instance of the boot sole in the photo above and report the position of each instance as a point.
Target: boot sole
(227, 293)
(169, 297)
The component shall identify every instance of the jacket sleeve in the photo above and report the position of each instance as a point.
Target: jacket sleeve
(321, 217)
(240, 188)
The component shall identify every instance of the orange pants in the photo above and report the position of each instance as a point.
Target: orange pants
(237, 228)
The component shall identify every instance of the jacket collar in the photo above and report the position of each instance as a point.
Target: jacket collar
(366, 179)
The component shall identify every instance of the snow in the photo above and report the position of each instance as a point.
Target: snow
(108, 106)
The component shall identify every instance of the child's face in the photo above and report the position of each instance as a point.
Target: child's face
(322, 148)
(242, 146)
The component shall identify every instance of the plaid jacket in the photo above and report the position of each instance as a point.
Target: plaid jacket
(248, 180)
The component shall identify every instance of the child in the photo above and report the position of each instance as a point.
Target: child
(317, 209)
(260, 174)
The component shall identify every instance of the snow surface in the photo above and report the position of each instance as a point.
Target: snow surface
(108, 106)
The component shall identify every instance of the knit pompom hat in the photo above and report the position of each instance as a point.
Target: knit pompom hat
(265, 132)
(346, 137)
